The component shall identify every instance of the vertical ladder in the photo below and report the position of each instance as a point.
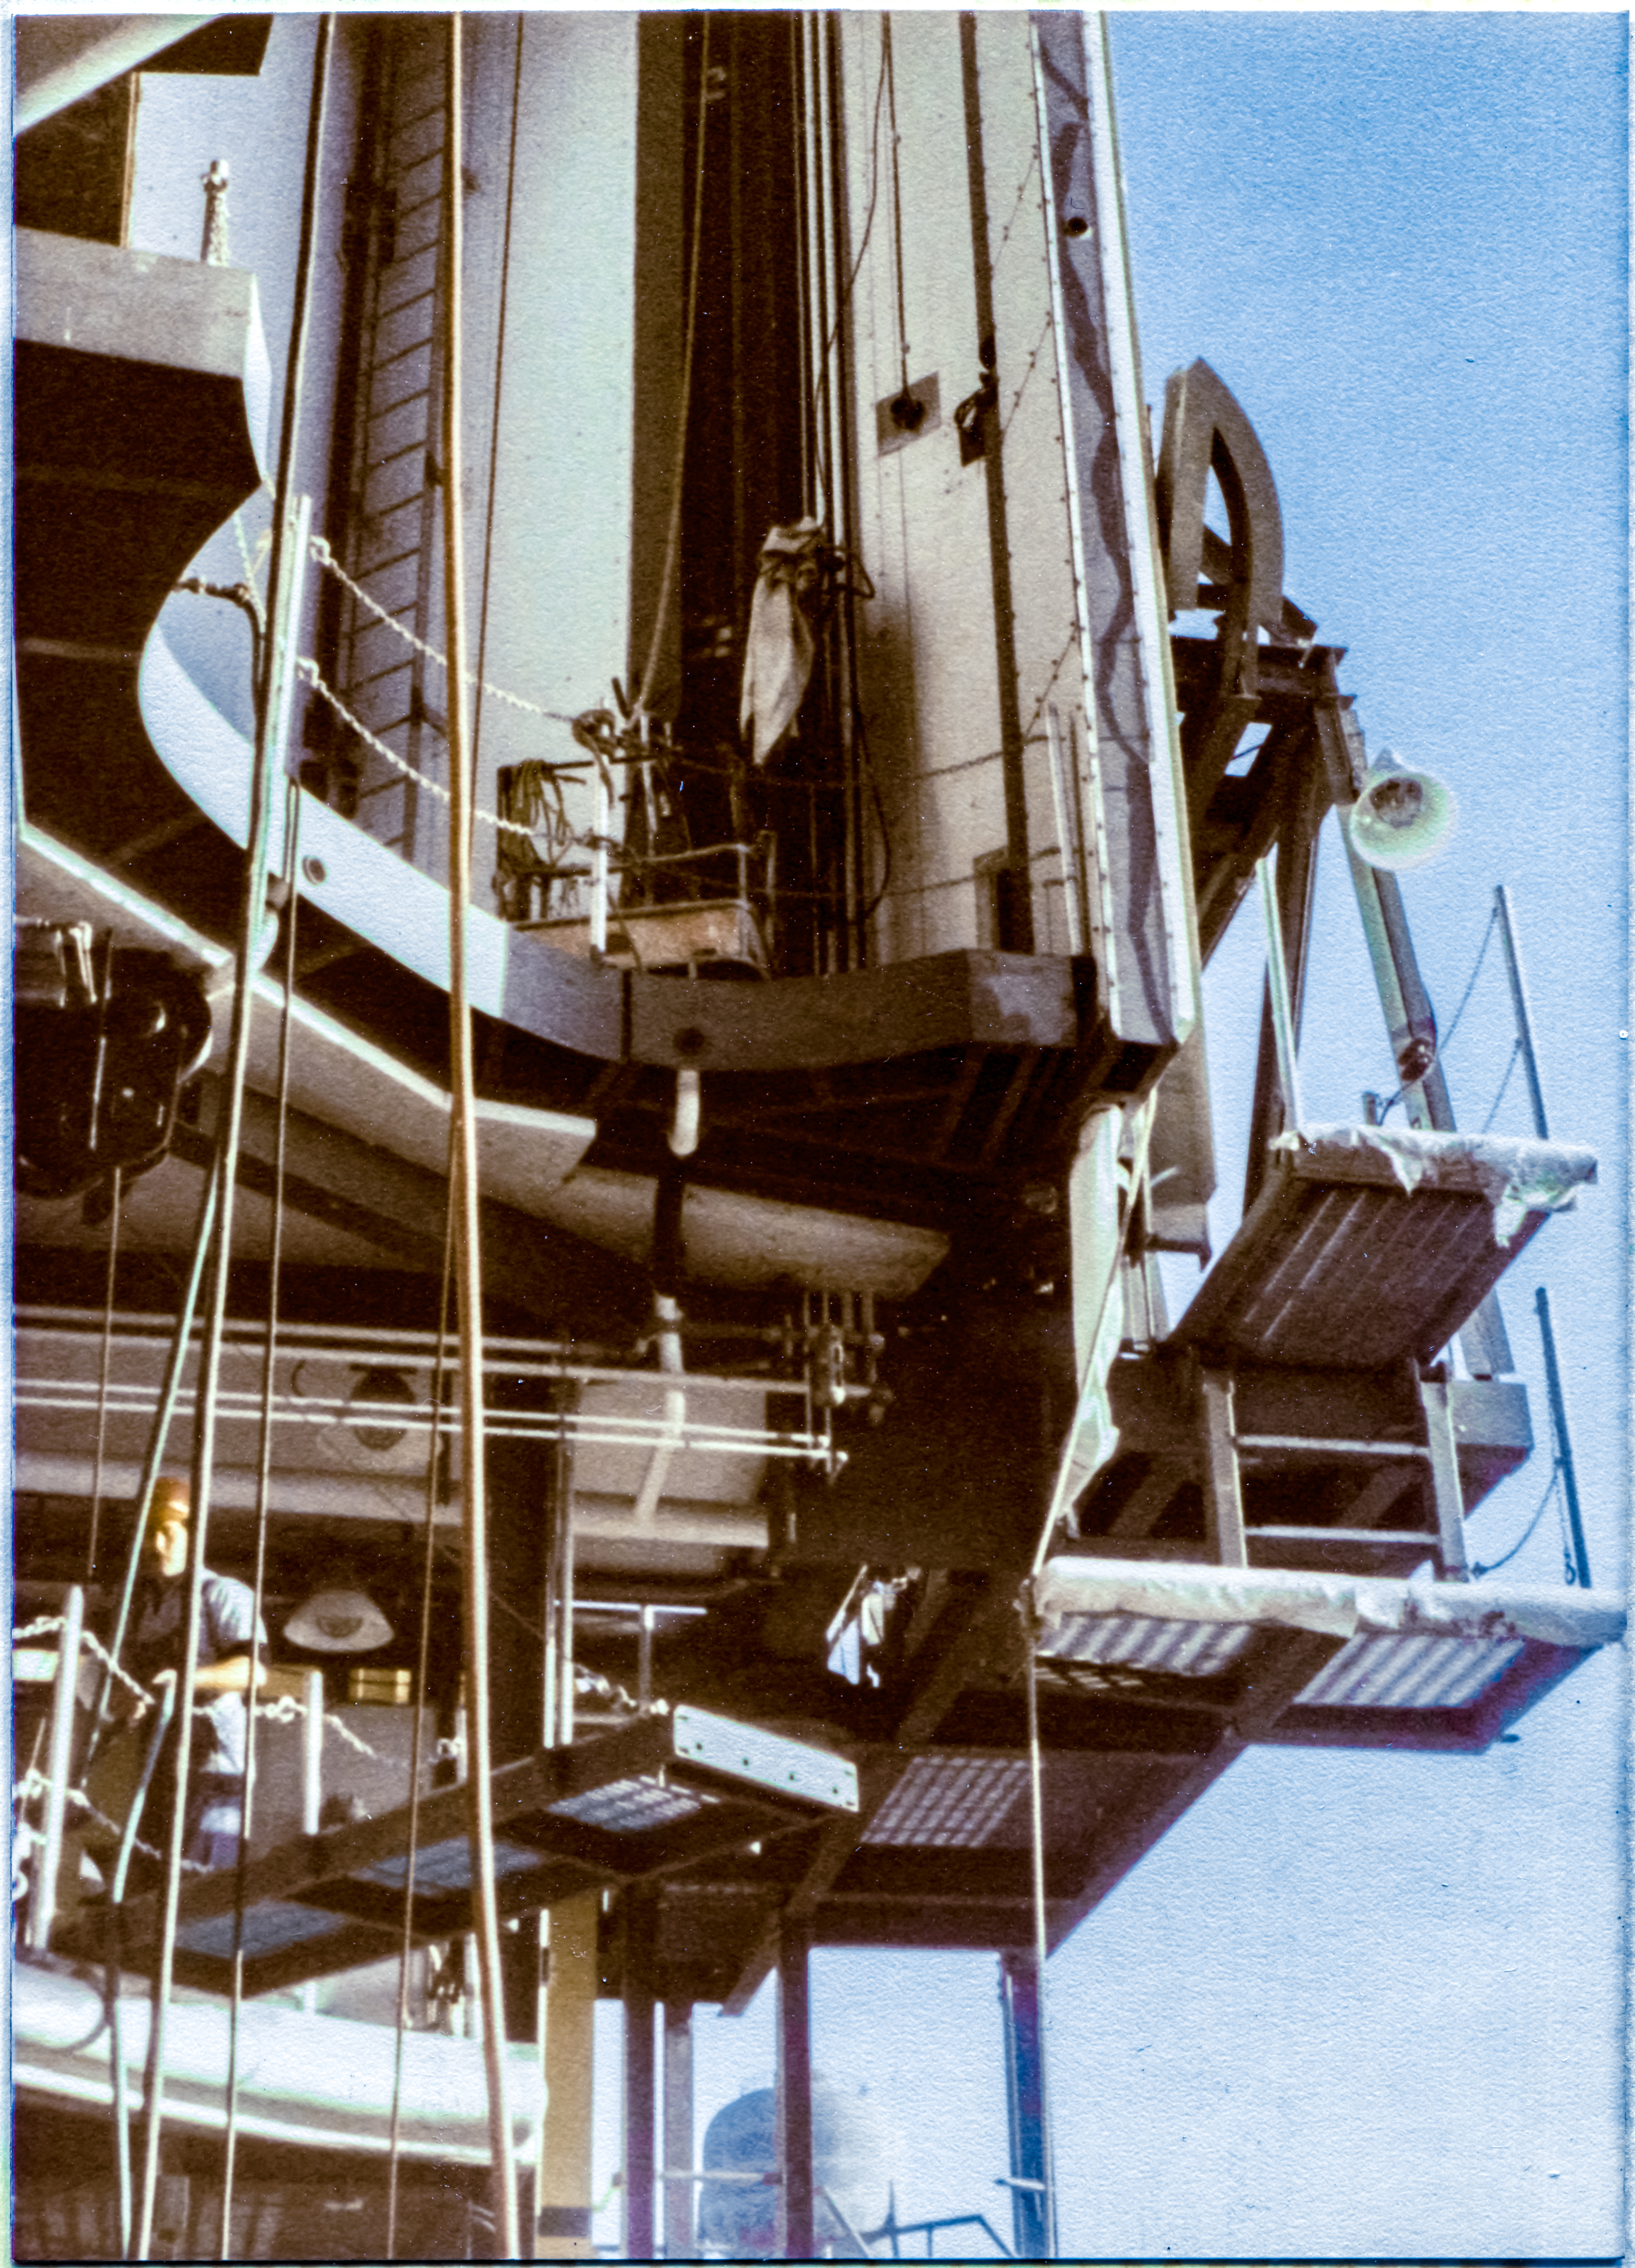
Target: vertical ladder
(391, 545)
(1222, 1444)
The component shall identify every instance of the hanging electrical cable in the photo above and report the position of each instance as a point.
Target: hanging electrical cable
(290, 524)
(434, 1465)
(909, 413)
(263, 1493)
(467, 1250)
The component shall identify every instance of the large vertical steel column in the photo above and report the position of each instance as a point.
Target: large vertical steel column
(1024, 2074)
(640, 2073)
(572, 1973)
(678, 2128)
(796, 2224)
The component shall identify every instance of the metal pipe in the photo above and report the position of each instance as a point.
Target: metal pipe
(1564, 1443)
(1524, 1020)
(313, 1751)
(1041, 1948)
(59, 1757)
(600, 821)
(1278, 987)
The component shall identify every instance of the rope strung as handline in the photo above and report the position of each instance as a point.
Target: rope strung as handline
(463, 1126)
(319, 549)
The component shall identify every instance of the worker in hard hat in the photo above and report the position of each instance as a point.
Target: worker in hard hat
(228, 1632)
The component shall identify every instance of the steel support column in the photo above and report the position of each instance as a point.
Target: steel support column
(640, 2075)
(796, 2225)
(678, 2128)
(562, 2221)
(1024, 2083)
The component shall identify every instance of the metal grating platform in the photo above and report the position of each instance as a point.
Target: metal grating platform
(658, 1795)
(1415, 1664)
(1367, 1246)
(944, 1803)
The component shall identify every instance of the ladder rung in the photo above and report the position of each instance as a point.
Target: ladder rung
(415, 346)
(361, 684)
(1316, 1446)
(1422, 1537)
(381, 566)
(385, 314)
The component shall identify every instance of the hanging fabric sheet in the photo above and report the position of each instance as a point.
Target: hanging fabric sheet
(779, 649)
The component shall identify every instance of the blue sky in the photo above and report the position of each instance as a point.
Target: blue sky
(1372, 2004)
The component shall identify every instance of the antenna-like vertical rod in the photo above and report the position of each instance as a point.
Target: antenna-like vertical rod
(1524, 1020)
(1564, 1445)
(468, 1245)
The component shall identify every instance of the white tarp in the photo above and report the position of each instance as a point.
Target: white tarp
(1068, 1590)
(1516, 1177)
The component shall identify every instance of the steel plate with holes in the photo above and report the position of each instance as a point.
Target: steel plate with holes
(744, 1752)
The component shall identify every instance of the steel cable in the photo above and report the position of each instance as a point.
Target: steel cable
(263, 1489)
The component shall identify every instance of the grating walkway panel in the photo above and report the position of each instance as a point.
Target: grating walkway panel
(944, 1803)
(1409, 1673)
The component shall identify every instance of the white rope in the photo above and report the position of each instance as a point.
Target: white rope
(47, 1624)
(34, 1783)
(326, 558)
(308, 670)
(286, 1709)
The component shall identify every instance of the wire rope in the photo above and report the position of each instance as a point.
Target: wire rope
(669, 578)
(263, 1494)
(422, 1662)
(1445, 1039)
(107, 1359)
(888, 66)
(844, 302)
(230, 1123)
(1503, 1084)
(468, 1258)
(1492, 1566)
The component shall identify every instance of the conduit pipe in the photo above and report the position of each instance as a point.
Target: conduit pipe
(467, 1245)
